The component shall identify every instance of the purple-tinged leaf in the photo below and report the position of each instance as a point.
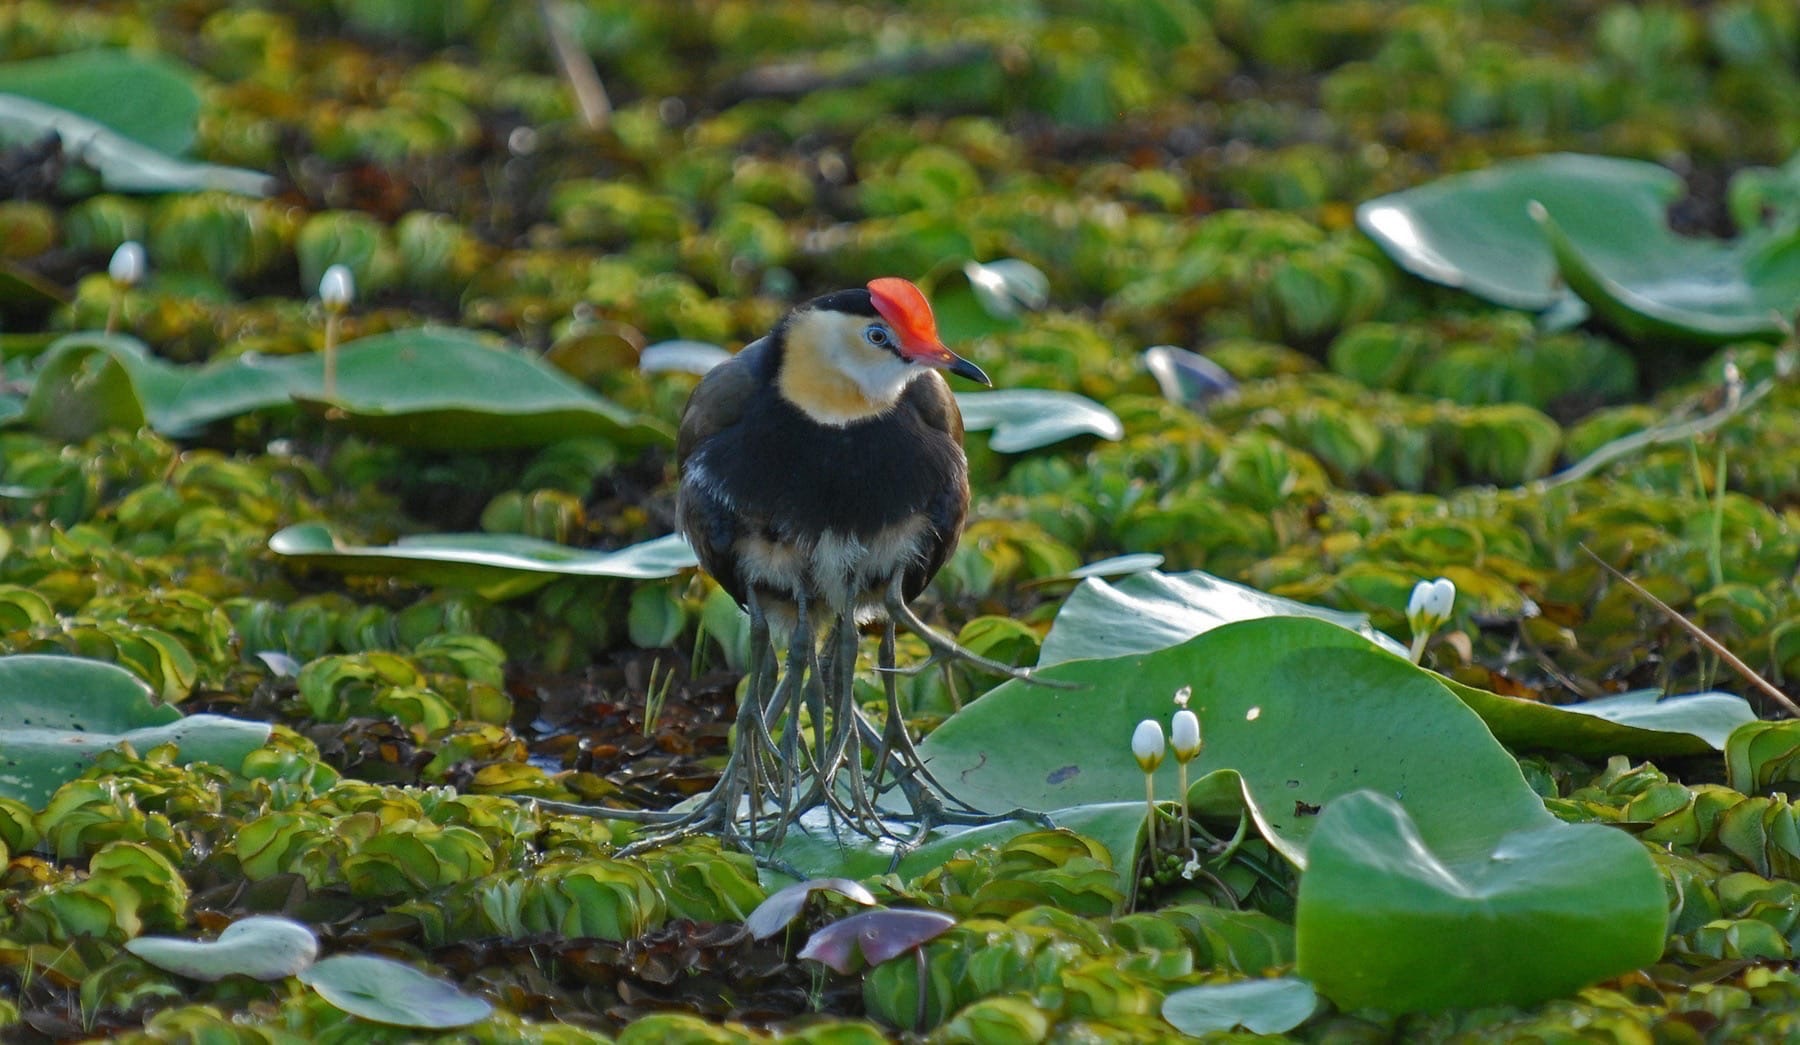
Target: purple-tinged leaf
(876, 935)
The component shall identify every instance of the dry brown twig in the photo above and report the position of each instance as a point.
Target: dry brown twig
(1700, 636)
(577, 67)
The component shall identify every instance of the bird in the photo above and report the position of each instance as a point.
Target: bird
(828, 455)
(822, 485)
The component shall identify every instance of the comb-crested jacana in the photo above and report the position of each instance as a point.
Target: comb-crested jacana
(823, 484)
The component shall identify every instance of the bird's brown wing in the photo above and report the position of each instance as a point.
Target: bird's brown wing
(717, 404)
(936, 406)
(930, 399)
(718, 400)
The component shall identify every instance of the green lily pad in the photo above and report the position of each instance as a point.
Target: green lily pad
(1388, 920)
(89, 382)
(393, 993)
(1300, 711)
(1473, 231)
(1542, 232)
(124, 165)
(436, 388)
(681, 357)
(497, 565)
(260, 947)
(1028, 418)
(150, 100)
(58, 713)
(82, 388)
(447, 389)
(1297, 714)
(814, 848)
(1642, 722)
(784, 905)
(1117, 566)
(1008, 286)
(1659, 286)
(1273, 1006)
(1150, 610)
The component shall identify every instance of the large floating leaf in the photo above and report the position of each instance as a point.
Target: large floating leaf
(1151, 611)
(1651, 284)
(90, 382)
(1536, 233)
(874, 937)
(447, 389)
(1260, 1006)
(497, 565)
(260, 947)
(1473, 231)
(1301, 711)
(1386, 920)
(148, 99)
(681, 357)
(784, 905)
(813, 847)
(394, 993)
(430, 387)
(124, 165)
(1642, 722)
(1028, 418)
(58, 713)
(1008, 286)
(1297, 714)
(85, 386)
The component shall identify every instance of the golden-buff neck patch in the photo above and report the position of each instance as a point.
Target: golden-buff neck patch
(836, 377)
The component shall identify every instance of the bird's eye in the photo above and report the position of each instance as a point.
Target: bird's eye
(877, 335)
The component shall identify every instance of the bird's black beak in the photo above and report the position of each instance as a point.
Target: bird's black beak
(963, 368)
(932, 353)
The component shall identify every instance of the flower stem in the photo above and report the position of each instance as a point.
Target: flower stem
(1187, 841)
(331, 337)
(1150, 803)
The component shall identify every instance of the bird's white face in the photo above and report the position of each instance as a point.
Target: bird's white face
(841, 368)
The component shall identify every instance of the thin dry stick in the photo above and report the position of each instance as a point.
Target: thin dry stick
(577, 67)
(1701, 637)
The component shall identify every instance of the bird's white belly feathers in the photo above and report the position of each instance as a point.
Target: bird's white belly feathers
(839, 569)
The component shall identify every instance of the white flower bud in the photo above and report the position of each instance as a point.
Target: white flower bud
(337, 288)
(1431, 602)
(1184, 735)
(127, 266)
(1147, 745)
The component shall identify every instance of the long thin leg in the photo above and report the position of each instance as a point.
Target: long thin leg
(944, 646)
(846, 722)
(896, 743)
(796, 682)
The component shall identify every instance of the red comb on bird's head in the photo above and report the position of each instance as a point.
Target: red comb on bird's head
(905, 308)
